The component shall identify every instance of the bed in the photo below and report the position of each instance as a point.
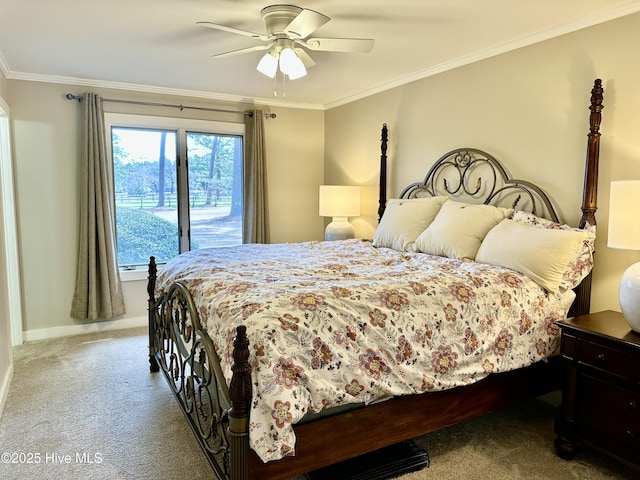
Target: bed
(286, 358)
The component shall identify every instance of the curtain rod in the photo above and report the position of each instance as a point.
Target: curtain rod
(71, 96)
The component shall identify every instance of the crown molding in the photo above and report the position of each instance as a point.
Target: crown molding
(136, 87)
(4, 68)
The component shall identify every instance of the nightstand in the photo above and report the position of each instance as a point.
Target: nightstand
(601, 387)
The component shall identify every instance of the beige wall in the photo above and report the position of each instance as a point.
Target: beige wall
(47, 145)
(529, 108)
(295, 149)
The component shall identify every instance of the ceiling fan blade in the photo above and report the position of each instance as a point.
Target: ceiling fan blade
(304, 56)
(356, 45)
(237, 31)
(255, 48)
(305, 23)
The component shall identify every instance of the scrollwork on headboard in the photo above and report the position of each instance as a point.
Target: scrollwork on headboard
(474, 176)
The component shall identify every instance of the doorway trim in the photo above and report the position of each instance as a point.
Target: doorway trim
(14, 296)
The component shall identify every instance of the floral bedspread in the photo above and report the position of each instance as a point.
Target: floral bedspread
(332, 323)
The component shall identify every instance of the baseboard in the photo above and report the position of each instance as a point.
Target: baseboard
(4, 387)
(69, 330)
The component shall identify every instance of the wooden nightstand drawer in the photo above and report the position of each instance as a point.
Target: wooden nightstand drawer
(611, 361)
(607, 411)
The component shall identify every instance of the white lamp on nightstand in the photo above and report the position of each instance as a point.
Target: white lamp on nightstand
(339, 202)
(624, 233)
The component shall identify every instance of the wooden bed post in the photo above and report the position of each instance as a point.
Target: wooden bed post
(382, 192)
(240, 396)
(151, 308)
(582, 303)
(590, 198)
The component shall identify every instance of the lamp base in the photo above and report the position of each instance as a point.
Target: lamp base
(339, 229)
(629, 296)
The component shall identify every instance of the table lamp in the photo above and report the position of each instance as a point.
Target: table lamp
(624, 233)
(339, 202)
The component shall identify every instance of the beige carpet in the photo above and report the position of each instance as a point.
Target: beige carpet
(86, 407)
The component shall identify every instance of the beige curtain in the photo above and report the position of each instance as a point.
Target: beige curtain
(255, 228)
(98, 292)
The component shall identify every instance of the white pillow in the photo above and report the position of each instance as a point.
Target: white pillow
(459, 228)
(404, 220)
(540, 253)
(580, 266)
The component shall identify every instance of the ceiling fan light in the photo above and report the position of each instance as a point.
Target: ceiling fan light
(268, 65)
(297, 73)
(291, 64)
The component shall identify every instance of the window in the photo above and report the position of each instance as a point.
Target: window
(177, 186)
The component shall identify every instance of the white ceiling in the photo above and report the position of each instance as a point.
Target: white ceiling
(156, 46)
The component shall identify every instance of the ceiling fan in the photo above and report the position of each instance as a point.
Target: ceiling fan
(288, 29)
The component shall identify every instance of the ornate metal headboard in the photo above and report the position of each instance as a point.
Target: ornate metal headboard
(464, 172)
(464, 167)
(474, 176)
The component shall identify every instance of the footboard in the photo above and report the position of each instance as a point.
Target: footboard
(185, 354)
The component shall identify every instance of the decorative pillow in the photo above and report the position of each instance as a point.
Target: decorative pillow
(459, 228)
(579, 266)
(404, 220)
(543, 254)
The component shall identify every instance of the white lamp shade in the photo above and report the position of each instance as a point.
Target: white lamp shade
(297, 72)
(624, 220)
(339, 201)
(291, 64)
(268, 65)
(624, 233)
